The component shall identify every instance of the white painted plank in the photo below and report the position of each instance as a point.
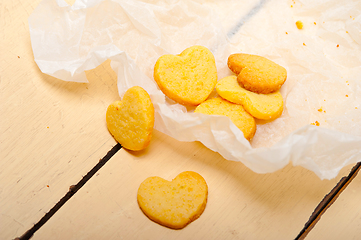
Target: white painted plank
(343, 219)
(241, 204)
(51, 132)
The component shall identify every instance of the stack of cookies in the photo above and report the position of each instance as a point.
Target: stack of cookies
(190, 77)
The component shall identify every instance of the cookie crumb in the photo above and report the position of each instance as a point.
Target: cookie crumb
(316, 123)
(299, 24)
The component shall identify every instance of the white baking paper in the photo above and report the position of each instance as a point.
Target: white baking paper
(323, 61)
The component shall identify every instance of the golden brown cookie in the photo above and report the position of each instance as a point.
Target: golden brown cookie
(261, 106)
(175, 203)
(257, 74)
(242, 119)
(131, 120)
(187, 78)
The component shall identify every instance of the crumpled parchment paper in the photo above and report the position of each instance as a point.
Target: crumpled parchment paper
(320, 128)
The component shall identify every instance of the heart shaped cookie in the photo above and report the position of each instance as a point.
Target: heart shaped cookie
(187, 78)
(238, 115)
(261, 106)
(175, 203)
(257, 74)
(131, 120)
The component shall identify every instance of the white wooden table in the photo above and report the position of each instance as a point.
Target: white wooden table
(52, 133)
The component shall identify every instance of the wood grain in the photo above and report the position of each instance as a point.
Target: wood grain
(241, 203)
(51, 132)
(342, 220)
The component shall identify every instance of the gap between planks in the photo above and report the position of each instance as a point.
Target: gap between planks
(72, 190)
(326, 202)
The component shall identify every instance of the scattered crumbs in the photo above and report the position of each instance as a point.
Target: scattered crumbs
(286, 32)
(47, 185)
(18, 56)
(337, 45)
(299, 24)
(294, 2)
(304, 44)
(316, 123)
(346, 95)
(314, 23)
(47, 127)
(320, 110)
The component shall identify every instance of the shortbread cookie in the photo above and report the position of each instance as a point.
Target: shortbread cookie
(175, 203)
(256, 73)
(131, 120)
(187, 78)
(261, 106)
(242, 119)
